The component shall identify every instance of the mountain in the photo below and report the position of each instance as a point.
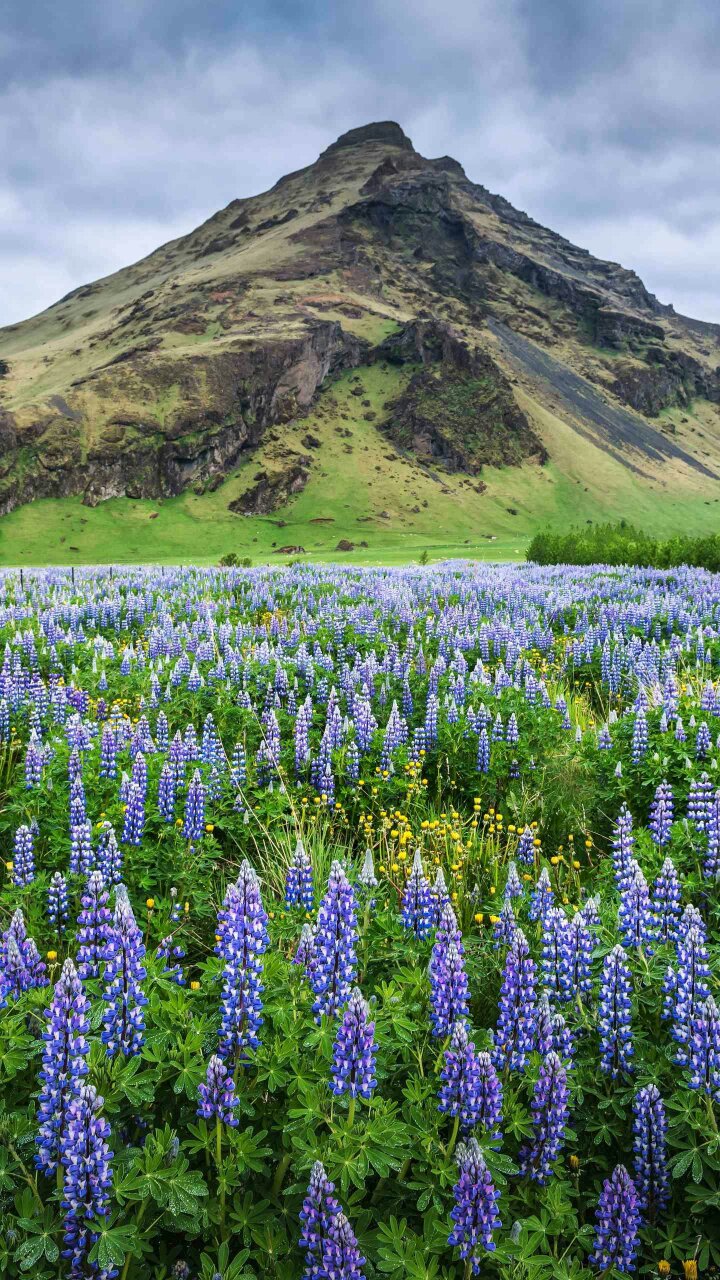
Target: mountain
(375, 303)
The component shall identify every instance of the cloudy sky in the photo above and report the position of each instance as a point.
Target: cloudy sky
(125, 124)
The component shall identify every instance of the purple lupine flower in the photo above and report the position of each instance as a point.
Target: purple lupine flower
(556, 955)
(94, 927)
(640, 736)
(504, 927)
(20, 965)
(475, 1214)
(470, 1086)
(57, 901)
(552, 1034)
(194, 824)
(580, 946)
(81, 850)
(449, 991)
(703, 741)
(700, 798)
(515, 1030)
(216, 1094)
(124, 1020)
(711, 865)
(87, 1164)
(525, 851)
(305, 948)
(635, 918)
(168, 951)
(440, 895)
(666, 902)
(63, 1063)
(166, 793)
(652, 1180)
(23, 858)
(483, 752)
(513, 884)
(542, 896)
(617, 1223)
(134, 815)
(615, 1014)
(688, 988)
(549, 1117)
(318, 1210)
(299, 880)
(354, 1052)
(341, 1258)
(244, 940)
(417, 903)
(703, 1050)
(622, 845)
(661, 815)
(334, 963)
(109, 859)
(108, 752)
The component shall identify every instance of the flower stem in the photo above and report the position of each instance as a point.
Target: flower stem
(453, 1136)
(351, 1112)
(280, 1172)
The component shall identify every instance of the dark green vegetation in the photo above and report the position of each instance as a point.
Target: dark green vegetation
(622, 543)
(584, 680)
(531, 378)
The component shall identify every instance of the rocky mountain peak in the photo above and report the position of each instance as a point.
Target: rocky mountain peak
(387, 132)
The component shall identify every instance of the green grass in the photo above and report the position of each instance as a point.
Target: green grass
(373, 494)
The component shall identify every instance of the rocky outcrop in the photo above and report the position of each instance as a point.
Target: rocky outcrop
(272, 490)
(459, 410)
(244, 391)
(667, 378)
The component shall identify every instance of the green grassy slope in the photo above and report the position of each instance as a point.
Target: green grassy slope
(362, 489)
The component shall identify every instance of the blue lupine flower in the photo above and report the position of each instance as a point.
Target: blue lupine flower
(639, 737)
(703, 1049)
(86, 1160)
(341, 1258)
(542, 896)
(334, 963)
(525, 851)
(166, 793)
(666, 902)
(615, 1014)
(513, 884)
(367, 877)
(483, 752)
(549, 1117)
(515, 1030)
(475, 1214)
(449, 991)
(703, 742)
(440, 895)
(194, 824)
(661, 814)
(57, 901)
(20, 965)
(354, 1052)
(216, 1094)
(687, 990)
(109, 859)
(94, 927)
(552, 1034)
(124, 1020)
(504, 927)
(299, 880)
(417, 903)
(244, 940)
(617, 1223)
(319, 1208)
(622, 845)
(23, 858)
(81, 850)
(556, 955)
(470, 1086)
(306, 947)
(635, 918)
(652, 1180)
(134, 815)
(63, 1063)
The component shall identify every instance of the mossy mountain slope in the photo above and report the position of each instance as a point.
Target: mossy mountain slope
(518, 347)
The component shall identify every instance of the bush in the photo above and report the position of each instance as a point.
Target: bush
(622, 543)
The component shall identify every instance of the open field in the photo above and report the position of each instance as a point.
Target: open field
(359, 923)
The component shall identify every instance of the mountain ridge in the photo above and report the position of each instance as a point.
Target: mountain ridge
(170, 375)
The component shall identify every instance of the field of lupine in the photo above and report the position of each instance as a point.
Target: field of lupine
(359, 923)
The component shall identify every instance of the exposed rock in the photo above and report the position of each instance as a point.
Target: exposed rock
(271, 491)
(345, 545)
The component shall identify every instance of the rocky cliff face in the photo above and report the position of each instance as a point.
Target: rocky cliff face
(167, 375)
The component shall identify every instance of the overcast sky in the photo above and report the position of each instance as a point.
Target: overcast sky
(124, 124)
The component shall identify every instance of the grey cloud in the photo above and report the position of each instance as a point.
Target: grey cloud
(124, 125)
